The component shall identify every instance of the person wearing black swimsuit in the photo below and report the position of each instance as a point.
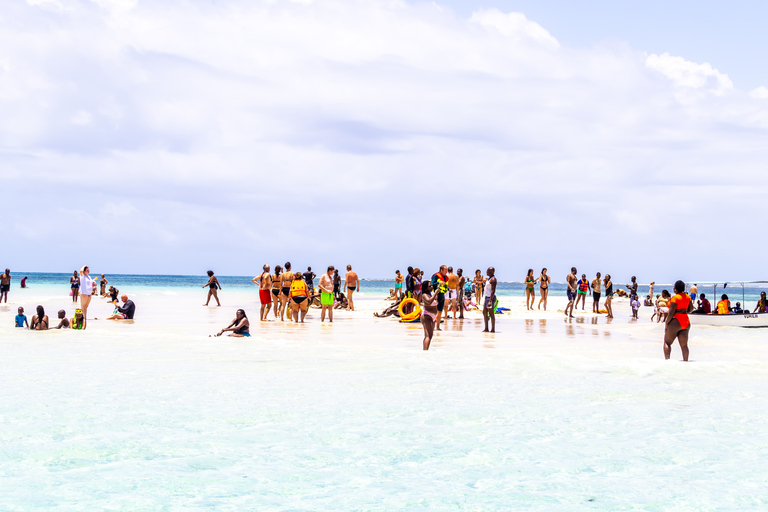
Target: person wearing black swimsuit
(285, 291)
(213, 285)
(544, 281)
(240, 326)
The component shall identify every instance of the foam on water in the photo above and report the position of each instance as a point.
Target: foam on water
(548, 414)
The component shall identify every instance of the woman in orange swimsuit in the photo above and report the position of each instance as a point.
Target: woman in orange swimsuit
(678, 325)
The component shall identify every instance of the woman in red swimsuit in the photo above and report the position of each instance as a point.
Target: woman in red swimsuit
(678, 325)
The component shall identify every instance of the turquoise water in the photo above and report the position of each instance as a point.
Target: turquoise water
(548, 414)
(376, 287)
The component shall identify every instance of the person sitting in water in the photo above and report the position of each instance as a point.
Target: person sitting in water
(299, 297)
(24, 282)
(392, 295)
(40, 320)
(704, 307)
(239, 326)
(341, 302)
(21, 318)
(113, 294)
(63, 320)
(78, 321)
(648, 302)
(124, 312)
(724, 306)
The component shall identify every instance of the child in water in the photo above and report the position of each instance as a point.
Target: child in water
(21, 318)
(635, 307)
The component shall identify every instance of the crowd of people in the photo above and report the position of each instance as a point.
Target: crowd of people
(447, 294)
(82, 290)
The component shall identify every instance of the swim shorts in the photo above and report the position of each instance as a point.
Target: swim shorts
(5, 288)
(440, 301)
(487, 302)
(571, 296)
(265, 297)
(693, 297)
(398, 286)
(596, 296)
(326, 299)
(452, 294)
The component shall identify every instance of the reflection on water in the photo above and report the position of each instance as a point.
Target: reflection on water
(529, 325)
(542, 326)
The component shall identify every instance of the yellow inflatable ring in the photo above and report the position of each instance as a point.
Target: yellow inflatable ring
(413, 315)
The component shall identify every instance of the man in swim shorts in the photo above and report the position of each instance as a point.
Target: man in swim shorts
(409, 283)
(352, 284)
(398, 284)
(309, 278)
(326, 294)
(462, 283)
(489, 302)
(453, 292)
(694, 292)
(438, 285)
(265, 292)
(570, 281)
(5, 285)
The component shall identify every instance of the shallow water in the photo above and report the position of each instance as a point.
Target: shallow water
(547, 414)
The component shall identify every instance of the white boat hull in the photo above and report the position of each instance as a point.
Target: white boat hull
(739, 320)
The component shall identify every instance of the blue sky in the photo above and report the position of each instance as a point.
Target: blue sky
(173, 137)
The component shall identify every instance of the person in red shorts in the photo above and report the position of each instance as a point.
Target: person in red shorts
(678, 325)
(265, 296)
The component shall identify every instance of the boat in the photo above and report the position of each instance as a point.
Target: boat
(745, 319)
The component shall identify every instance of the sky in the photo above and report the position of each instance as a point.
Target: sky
(177, 136)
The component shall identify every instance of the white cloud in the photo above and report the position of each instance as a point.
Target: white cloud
(211, 119)
(760, 92)
(514, 24)
(690, 74)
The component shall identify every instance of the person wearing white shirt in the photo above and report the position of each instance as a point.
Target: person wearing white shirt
(87, 287)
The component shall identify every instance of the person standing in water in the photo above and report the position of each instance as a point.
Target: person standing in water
(87, 287)
(608, 294)
(694, 292)
(351, 284)
(213, 285)
(544, 281)
(489, 304)
(326, 294)
(438, 284)
(570, 282)
(5, 285)
(462, 283)
(530, 293)
(265, 296)
(277, 284)
(103, 286)
(74, 286)
(429, 313)
(286, 279)
(678, 325)
(596, 293)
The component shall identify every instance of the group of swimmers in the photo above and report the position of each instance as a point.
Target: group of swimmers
(292, 293)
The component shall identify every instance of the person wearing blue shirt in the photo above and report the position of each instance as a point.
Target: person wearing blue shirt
(21, 319)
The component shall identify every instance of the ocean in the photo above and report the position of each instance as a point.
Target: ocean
(547, 414)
